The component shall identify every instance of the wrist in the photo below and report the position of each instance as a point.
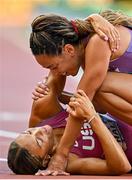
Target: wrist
(92, 17)
(93, 117)
(62, 151)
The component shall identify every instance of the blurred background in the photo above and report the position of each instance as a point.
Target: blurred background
(19, 72)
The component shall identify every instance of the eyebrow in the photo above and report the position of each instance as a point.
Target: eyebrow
(26, 132)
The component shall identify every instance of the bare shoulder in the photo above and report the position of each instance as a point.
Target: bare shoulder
(96, 42)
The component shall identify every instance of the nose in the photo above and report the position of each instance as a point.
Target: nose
(37, 131)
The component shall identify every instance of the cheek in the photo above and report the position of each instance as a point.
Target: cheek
(68, 65)
(46, 144)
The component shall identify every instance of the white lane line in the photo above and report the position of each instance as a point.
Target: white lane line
(8, 134)
(3, 159)
(12, 116)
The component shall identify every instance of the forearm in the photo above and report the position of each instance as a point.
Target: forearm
(115, 157)
(56, 83)
(71, 132)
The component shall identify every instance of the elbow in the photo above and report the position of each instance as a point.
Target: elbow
(123, 169)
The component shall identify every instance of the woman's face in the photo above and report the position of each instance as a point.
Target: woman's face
(38, 141)
(68, 63)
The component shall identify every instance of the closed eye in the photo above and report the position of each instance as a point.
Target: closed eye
(26, 132)
(52, 67)
(39, 142)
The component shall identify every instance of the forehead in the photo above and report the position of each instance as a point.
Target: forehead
(46, 60)
(25, 140)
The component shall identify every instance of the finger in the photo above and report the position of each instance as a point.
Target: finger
(71, 112)
(39, 174)
(98, 31)
(112, 41)
(69, 109)
(42, 86)
(73, 98)
(74, 104)
(45, 80)
(116, 38)
(66, 174)
(95, 26)
(37, 95)
(34, 97)
(82, 93)
(102, 35)
(55, 173)
(39, 90)
(43, 173)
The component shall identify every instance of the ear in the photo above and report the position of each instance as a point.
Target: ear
(69, 49)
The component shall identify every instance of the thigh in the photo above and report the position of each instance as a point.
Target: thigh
(115, 96)
(119, 84)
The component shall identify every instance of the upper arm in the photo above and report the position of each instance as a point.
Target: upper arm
(89, 166)
(97, 57)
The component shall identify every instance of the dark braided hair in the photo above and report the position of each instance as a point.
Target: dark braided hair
(51, 32)
(20, 161)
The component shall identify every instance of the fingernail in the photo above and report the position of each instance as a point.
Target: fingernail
(45, 93)
(106, 38)
(41, 95)
(43, 85)
(47, 89)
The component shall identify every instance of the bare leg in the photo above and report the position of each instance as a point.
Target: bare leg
(115, 96)
(44, 108)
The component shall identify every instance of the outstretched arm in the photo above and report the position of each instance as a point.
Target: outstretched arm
(46, 104)
(115, 162)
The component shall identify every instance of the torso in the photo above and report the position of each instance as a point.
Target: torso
(87, 143)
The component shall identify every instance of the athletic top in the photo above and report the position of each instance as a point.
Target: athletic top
(123, 63)
(87, 143)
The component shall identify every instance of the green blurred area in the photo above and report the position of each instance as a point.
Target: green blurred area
(21, 12)
(82, 8)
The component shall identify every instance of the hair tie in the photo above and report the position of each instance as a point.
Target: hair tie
(74, 26)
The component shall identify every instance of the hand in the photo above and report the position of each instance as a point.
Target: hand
(80, 106)
(57, 166)
(40, 90)
(105, 30)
